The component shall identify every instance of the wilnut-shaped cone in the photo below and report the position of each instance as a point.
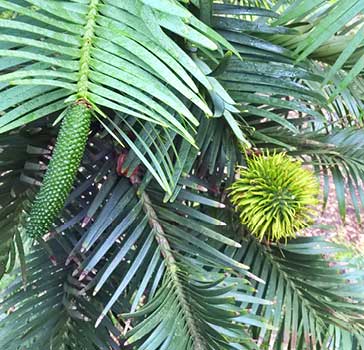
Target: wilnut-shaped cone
(62, 170)
(275, 196)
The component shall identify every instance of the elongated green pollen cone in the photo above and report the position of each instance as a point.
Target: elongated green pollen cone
(62, 170)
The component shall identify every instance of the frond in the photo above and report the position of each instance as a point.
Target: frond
(20, 178)
(267, 85)
(345, 163)
(113, 55)
(331, 33)
(118, 211)
(50, 311)
(172, 159)
(193, 308)
(342, 110)
(313, 295)
(338, 338)
(138, 248)
(168, 157)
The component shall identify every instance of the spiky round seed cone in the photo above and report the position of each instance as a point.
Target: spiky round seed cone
(275, 196)
(62, 169)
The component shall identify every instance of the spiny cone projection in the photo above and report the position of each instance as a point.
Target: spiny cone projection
(275, 196)
(62, 169)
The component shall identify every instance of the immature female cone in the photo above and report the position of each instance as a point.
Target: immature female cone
(62, 169)
(275, 196)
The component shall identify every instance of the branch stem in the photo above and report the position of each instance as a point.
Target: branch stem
(84, 70)
(173, 269)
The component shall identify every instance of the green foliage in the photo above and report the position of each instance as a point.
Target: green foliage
(318, 299)
(50, 312)
(62, 169)
(331, 32)
(147, 247)
(274, 196)
(20, 179)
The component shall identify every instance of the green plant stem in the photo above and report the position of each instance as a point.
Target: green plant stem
(82, 85)
(172, 268)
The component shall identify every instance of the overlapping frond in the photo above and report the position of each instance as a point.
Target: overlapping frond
(280, 108)
(50, 311)
(343, 158)
(122, 219)
(331, 32)
(167, 156)
(316, 300)
(266, 84)
(174, 161)
(20, 177)
(138, 248)
(146, 250)
(345, 109)
(192, 308)
(116, 55)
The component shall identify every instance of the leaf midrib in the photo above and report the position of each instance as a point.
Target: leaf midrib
(172, 267)
(84, 66)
